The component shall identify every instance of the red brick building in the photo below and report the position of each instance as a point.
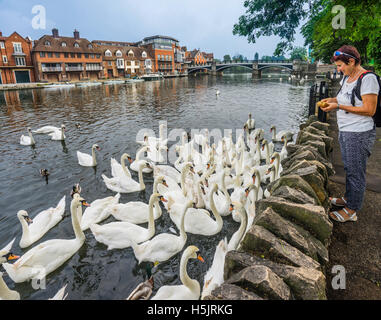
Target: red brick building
(15, 59)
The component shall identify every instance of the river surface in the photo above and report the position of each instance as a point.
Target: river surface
(111, 116)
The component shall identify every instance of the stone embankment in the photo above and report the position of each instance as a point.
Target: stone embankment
(285, 252)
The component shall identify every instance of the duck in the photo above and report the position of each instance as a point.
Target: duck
(47, 256)
(5, 292)
(58, 134)
(238, 235)
(143, 291)
(44, 172)
(277, 137)
(163, 246)
(27, 141)
(214, 277)
(126, 184)
(135, 164)
(190, 288)
(98, 211)
(34, 230)
(137, 211)
(120, 169)
(6, 254)
(86, 160)
(118, 235)
(76, 189)
(78, 125)
(46, 129)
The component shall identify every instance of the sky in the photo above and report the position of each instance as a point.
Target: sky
(198, 24)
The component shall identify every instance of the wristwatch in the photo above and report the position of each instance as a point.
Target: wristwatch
(338, 106)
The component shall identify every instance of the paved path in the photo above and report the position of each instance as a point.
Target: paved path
(357, 245)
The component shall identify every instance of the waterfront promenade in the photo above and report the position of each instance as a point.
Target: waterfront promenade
(357, 245)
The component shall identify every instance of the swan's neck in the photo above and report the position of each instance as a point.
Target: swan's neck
(200, 200)
(257, 179)
(127, 173)
(184, 277)
(277, 163)
(139, 153)
(274, 133)
(242, 228)
(62, 135)
(5, 292)
(216, 215)
(183, 234)
(141, 181)
(224, 190)
(79, 235)
(267, 151)
(151, 220)
(93, 156)
(31, 138)
(25, 228)
(183, 174)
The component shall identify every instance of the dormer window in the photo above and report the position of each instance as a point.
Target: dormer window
(130, 53)
(76, 45)
(47, 43)
(63, 44)
(108, 53)
(90, 46)
(144, 54)
(118, 53)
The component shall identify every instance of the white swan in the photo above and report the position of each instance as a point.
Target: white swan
(154, 153)
(47, 129)
(163, 246)
(126, 184)
(214, 277)
(190, 288)
(86, 160)
(238, 235)
(222, 199)
(168, 171)
(5, 292)
(136, 211)
(274, 171)
(267, 149)
(46, 257)
(120, 169)
(118, 235)
(58, 134)
(283, 153)
(40, 224)
(250, 123)
(6, 254)
(27, 141)
(135, 164)
(277, 137)
(98, 211)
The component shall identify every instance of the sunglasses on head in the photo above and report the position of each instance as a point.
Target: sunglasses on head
(339, 53)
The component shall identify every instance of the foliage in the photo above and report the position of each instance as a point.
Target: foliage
(227, 57)
(256, 56)
(299, 53)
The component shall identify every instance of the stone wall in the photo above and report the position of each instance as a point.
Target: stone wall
(285, 252)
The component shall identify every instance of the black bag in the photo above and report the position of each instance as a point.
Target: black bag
(357, 91)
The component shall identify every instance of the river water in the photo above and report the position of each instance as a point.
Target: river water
(111, 116)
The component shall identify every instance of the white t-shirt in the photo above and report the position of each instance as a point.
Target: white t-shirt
(350, 121)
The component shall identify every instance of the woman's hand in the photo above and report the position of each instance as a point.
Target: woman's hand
(330, 107)
(329, 100)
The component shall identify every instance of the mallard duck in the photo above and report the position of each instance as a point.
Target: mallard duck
(76, 189)
(44, 172)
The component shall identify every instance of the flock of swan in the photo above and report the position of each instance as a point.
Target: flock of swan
(197, 192)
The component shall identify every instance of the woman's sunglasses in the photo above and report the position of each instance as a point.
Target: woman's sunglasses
(339, 53)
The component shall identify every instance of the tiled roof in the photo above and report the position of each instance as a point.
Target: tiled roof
(124, 49)
(56, 45)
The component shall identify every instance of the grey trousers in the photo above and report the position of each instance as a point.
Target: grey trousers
(356, 147)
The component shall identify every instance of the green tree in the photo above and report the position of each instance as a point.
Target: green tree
(256, 56)
(227, 58)
(298, 53)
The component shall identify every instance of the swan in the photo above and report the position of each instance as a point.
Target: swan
(283, 153)
(217, 92)
(47, 256)
(198, 221)
(274, 172)
(251, 209)
(190, 288)
(126, 184)
(135, 164)
(5, 292)
(97, 211)
(277, 137)
(6, 254)
(250, 123)
(27, 141)
(58, 134)
(168, 171)
(120, 169)
(258, 133)
(214, 277)
(118, 235)
(40, 224)
(154, 153)
(238, 235)
(136, 211)
(87, 160)
(267, 149)
(163, 246)
(222, 200)
(47, 129)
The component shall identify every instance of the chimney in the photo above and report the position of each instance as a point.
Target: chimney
(1, 34)
(55, 32)
(76, 34)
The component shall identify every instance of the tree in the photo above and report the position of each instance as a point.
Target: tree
(256, 56)
(227, 58)
(299, 53)
(239, 57)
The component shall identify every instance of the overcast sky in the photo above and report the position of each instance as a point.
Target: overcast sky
(202, 24)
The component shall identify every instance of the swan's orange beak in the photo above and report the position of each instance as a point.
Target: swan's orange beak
(263, 147)
(84, 203)
(165, 183)
(272, 160)
(247, 192)
(163, 199)
(231, 208)
(268, 171)
(13, 257)
(129, 159)
(200, 258)
(207, 183)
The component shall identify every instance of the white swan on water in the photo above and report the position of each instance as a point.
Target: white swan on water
(27, 141)
(86, 160)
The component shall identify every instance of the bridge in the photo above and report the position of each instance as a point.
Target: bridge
(297, 68)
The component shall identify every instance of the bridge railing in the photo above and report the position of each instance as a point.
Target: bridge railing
(258, 61)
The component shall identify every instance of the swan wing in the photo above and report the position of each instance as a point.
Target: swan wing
(178, 292)
(25, 140)
(134, 212)
(46, 129)
(84, 159)
(7, 248)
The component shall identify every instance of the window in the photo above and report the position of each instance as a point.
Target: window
(118, 53)
(108, 53)
(63, 44)
(92, 56)
(17, 47)
(144, 54)
(98, 56)
(90, 46)
(57, 54)
(50, 54)
(5, 59)
(120, 62)
(76, 45)
(109, 63)
(47, 43)
(42, 54)
(130, 53)
(79, 55)
(66, 55)
(72, 55)
(2, 45)
(20, 61)
(86, 55)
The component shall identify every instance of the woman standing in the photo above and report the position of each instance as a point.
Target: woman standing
(357, 130)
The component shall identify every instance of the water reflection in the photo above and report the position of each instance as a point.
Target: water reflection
(112, 116)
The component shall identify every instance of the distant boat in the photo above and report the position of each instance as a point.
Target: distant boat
(113, 81)
(60, 85)
(134, 80)
(87, 84)
(152, 76)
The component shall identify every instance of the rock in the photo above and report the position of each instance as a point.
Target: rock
(295, 182)
(319, 145)
(229, 291)
(296, 157)
(262, 281)
(321, 126)
(304, 136)
(293, 195)
(264, 243)
(310, 217)
(312, 118)
(313, 130)
(305, 284)
(308, 163)
(292, 234)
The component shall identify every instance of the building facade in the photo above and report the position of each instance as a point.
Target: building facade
(195, 57)
(16, 64)
(59, 58)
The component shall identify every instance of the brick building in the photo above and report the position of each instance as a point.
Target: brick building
(58, 58)
(195, 57)
(15, 59)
